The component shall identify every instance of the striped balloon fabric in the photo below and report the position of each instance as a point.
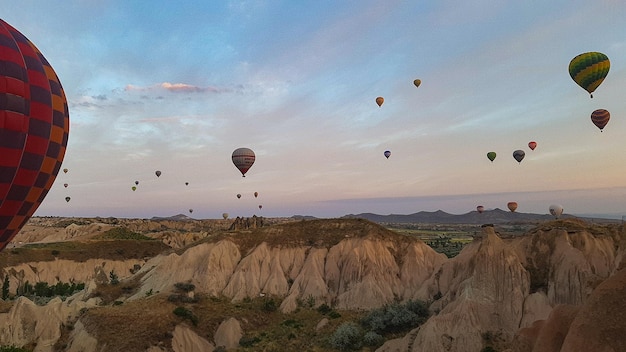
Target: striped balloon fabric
(600, 118)
(588, 70)
(34, 128)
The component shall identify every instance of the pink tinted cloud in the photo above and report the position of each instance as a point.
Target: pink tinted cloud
(176, 88)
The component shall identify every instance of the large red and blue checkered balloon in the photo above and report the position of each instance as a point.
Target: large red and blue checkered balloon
(34, 128)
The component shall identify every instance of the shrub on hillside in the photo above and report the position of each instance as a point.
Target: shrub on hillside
(396, 317)
(347, 337)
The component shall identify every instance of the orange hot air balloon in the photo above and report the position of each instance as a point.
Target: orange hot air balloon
(34, 130)
(600, 118)
(480, 209)
(417, 82)
(380, 101)
(512, 206)
(243, 158)
(532, 145)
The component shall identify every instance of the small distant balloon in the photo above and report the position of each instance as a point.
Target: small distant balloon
(600, 118)
(243, 158)
(157, 173)
(556, 210)
(65, 171)
(137, 183)
(190, 211)
(512, 206)
(67, 199)
(480, 209)
(238, 195)
(133, 188)
(491, 156)
(387, 154)
(65, 185)
(417, 82)
(256, 194)
(532, 145)
(588, 70)
(380, 101)
(186, 183)
(225, 216)
(260, 206)
(519, 155)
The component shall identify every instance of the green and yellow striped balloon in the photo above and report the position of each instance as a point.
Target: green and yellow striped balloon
(588, 70)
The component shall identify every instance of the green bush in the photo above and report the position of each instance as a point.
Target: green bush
(247, 341)
(186, 314)
(269, 305)
(347, 337)
(12, 349)
(396, 317)
(324, 309)
(373, 339)
(185, 287)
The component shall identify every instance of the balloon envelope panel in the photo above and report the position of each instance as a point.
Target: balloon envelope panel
(34, 129)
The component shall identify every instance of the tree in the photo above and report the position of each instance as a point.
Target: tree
(5, 287)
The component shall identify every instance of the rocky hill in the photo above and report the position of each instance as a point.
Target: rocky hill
(196, 285)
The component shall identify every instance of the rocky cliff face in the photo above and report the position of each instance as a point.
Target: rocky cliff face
(495, 287)
(531, 293)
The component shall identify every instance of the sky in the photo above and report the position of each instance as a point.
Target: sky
(177, 86)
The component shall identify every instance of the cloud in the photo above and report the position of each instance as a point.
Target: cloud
(178, 88)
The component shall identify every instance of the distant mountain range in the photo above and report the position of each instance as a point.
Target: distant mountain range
(495, 216)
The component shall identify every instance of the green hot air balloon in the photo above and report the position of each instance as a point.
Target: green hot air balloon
(588, 70)
(491, 156)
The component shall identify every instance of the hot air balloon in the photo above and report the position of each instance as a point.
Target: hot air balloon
(600, 118)
(157, 173)
(238, 195)
(480, 209)
(519, 155)
(417, 82)
(256, 194)
(67, 199)
(260, 206)
(243, 158)
(512, 206)
(34, 129)
(588, 70)
(190, 211)
(225, 216)
(186, 183)
(532, 145)
(65, 185)
(137, 183)
(556, 210)
(387, 154)
(380, 101)
(65, 171)
(491, 156)
(133, 188)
